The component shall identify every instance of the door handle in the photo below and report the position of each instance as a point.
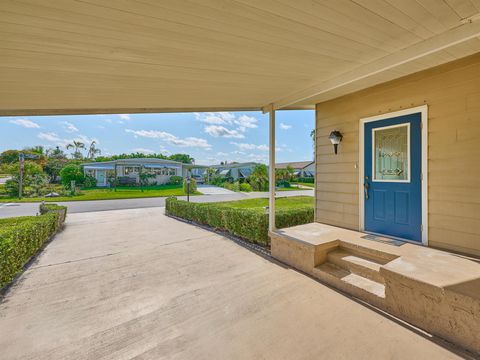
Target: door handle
(365, 187)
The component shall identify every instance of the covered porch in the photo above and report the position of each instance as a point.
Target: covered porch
(351, 61)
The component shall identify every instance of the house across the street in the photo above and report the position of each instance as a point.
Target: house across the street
(127, 171)
(235, 171)
(300, 168)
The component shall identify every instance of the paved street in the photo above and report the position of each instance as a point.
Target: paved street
(135, 284)
(212, 194)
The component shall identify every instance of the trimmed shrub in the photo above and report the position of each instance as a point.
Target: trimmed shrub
(245, 187)
(175, 180)
(22, 237)
(310, 180)
(283, 184)
(192, 188)
(90, 182)
(249, 224)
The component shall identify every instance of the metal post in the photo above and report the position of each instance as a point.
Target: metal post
(20, 180)
(188, 187)
(271, 172)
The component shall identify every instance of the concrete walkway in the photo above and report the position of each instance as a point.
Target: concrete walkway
(135, 284)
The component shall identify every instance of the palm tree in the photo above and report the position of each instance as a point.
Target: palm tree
(76, 145)
(259, 177)
(93, 150)
(313, 136)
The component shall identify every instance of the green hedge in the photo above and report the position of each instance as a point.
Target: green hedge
(22, 237)
(249, 224)
(310, 180)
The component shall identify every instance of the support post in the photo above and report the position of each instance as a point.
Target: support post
(271, 172)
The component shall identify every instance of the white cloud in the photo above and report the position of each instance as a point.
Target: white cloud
(124, 116)
(25, 123)
(171, 139)
(285, 126)
(50, 136)
(53, 137)
(226, 124)
(218, 118)
(69, 127)
(245, 121)
(222, 131)
(246, 146)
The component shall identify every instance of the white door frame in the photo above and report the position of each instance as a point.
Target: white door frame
(423, 110)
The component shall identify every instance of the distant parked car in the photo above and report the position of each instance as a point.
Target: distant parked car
(198, 179)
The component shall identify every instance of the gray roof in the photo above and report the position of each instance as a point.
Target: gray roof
(293, 164)
(136, 161)
(234, 165)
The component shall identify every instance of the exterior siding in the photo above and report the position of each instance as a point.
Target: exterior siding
(452, 93)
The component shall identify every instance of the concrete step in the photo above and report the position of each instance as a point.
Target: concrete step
(366, 267)
(381, 257)
(354, 284)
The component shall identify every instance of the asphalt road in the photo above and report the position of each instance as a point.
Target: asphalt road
(210, 195)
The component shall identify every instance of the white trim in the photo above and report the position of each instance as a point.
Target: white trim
(423, 110)
(271, 172)
(408, 153)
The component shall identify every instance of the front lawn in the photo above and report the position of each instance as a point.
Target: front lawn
(293, 202)
(109, 194)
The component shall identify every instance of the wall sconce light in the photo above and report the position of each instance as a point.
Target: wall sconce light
(335, 138)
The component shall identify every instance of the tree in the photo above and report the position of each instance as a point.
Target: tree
(77, 146)
(9, 156)
(56, 153)
(30, 171)
(53, 166)
(183, 158)
(290, 171)
(71, 172)
(93, 150)
(259, 177)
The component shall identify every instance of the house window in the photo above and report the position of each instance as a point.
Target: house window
(90, 172)
(391, 155)
(172, 172)
(131, 170)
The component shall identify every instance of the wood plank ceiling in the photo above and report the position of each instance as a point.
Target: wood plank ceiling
(66, 56)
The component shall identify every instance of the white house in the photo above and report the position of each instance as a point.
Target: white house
(300, 168)
(128, 170)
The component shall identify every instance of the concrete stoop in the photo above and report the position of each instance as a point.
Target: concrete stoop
(433, 290)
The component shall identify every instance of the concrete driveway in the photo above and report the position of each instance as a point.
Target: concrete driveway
(135, 284)
(211, 195)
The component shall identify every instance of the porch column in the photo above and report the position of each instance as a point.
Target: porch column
(271, 172)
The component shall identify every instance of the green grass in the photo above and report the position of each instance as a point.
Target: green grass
(293, 202)
(109, 194)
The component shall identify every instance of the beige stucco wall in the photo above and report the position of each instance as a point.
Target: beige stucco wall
(452, 93)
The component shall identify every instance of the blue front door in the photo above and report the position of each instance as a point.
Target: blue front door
(392, 177)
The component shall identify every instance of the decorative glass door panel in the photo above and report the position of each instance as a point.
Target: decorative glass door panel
(391, 155)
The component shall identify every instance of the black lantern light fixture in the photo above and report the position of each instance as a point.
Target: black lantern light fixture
(335, 138)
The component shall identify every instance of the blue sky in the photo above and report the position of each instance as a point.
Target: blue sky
(208, 137)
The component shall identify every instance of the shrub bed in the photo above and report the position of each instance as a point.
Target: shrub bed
(250, 224)
(22, 237)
